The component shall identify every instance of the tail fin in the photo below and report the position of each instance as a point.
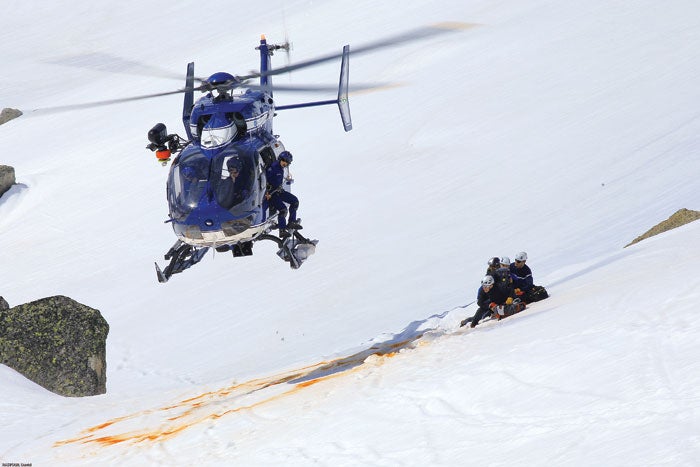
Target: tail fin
(343, 102)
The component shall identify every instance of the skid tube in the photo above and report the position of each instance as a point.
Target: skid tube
(181, 256)
(294, 249)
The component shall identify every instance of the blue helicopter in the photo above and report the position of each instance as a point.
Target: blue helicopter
(216, 186)
(231, 126)
(217, 183)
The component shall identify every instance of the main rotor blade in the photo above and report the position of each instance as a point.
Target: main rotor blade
(281, 88)
(109, 63)
(413, 35)
(315, 88)
(87, 105)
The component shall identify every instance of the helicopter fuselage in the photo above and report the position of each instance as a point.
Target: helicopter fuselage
(207, 206)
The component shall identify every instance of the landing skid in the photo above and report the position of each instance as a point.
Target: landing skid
(294, 249)
(181, 256)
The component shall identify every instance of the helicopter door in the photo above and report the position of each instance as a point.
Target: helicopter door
(268, 156)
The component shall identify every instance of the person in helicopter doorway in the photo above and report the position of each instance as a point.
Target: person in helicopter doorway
(523, 281)
(278, 198)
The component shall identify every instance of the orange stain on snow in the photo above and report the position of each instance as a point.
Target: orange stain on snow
(171, 420)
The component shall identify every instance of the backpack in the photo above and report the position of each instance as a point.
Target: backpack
(503, 281)
(513, 308)
(536, 294)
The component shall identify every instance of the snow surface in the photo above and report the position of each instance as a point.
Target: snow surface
(562, 128)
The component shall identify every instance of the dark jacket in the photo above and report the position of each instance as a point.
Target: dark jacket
(503, 286)
(275, 177)
(522, 277)
(483, 298)
(231, 193)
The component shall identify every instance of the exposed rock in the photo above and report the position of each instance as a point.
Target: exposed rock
(7, 178)
(58, 343)
(3, 304)
(679, 218)
(8, 114)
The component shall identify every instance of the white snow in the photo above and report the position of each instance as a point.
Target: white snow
(561, 128)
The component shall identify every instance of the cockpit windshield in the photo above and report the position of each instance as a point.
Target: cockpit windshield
(187, 183)
(227, 179)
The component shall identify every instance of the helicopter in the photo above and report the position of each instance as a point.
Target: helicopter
(227, 129)
(231, 125)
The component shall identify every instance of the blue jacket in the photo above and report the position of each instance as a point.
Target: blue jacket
(483, 298)
(275, 177)
(499, 293)
(522, 277)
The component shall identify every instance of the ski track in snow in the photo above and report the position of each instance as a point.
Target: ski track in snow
(171, 420)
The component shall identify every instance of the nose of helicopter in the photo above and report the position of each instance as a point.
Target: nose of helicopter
(210, 230)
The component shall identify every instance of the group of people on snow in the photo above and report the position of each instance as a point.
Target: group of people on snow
(505, 289)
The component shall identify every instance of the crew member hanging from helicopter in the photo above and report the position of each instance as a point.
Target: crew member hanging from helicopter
(276, 195)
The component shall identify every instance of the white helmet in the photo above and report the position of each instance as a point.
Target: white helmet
(487, 280)
(505, 260)
(521, 257)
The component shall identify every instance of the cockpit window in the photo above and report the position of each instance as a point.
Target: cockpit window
(217, 130)
(188, 182)
(234, 184)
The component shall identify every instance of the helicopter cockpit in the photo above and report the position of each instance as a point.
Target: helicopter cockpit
(227, 179)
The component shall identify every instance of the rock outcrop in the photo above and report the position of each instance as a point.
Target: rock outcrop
(58, 343)
(8, 114)
(7, 178)
(679, 218)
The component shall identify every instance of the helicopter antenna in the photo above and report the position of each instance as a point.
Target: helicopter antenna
(286, 40)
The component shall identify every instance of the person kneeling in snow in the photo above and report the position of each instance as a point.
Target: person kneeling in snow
(495, 298)
(523, 281)
(493, 265)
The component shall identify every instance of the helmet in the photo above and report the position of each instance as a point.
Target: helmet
(188, 172)
(487, 280)
(286, 156)
(505, 260)
(234, 163)
(220, 77)
(494, 262)
(521, 257)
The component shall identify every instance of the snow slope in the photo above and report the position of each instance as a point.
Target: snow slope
(564, 129)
